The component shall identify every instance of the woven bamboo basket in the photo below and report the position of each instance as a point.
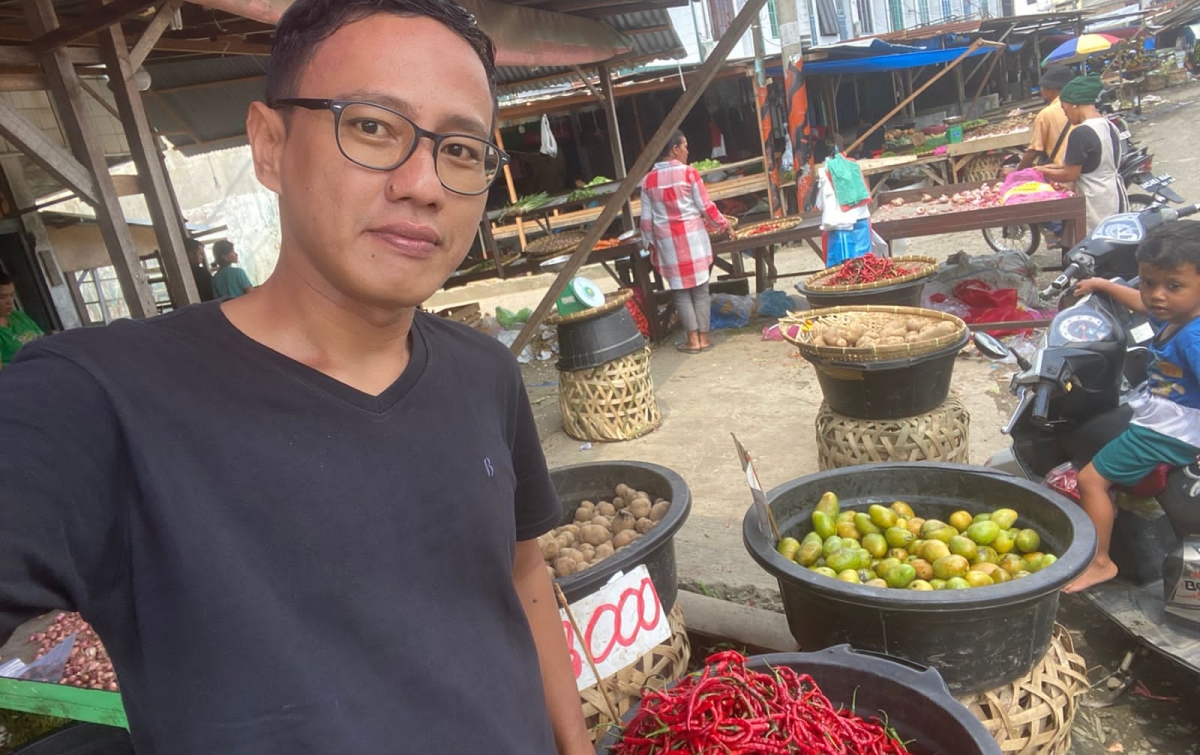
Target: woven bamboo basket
(800, 329)
(614, 401)
(1033, 715)
(918, 266)
(780, 224)
(553, 244)
(654, 670)
(612, 300)
(943, 434)
(982, 168)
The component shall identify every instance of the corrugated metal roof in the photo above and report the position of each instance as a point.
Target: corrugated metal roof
(185, 73)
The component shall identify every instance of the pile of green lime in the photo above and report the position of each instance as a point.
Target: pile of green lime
(890, 546)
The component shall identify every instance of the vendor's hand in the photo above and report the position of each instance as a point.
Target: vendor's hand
(1090, 286)
(1007, 171)
(727, 231)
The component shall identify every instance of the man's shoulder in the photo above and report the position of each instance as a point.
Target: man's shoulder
(131, 340)
(463, 341)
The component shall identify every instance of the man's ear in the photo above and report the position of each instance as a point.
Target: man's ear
(267, 133)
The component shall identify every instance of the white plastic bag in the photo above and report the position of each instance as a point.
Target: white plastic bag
(549, 144)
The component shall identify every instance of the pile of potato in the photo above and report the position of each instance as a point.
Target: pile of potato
(601, 529)
(896, 331)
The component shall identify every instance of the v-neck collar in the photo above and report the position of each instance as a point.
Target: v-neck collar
(417, 362)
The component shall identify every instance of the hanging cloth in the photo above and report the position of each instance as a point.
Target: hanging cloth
(717, 140)
(549, 143)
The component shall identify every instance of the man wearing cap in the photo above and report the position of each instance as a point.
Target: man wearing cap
(1093, 156)
(1051, 126)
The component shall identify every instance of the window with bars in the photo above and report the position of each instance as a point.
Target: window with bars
(773, 19)
(865, 20)
(104, 301)
(923, 12)
(983, 9)
(947, 10)
(896, 12)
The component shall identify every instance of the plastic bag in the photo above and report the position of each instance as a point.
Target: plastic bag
(549, 143)
(510, 320)
(48, 668)
(774, 303)
(730, 311)
(1065, 479)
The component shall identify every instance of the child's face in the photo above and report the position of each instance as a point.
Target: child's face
(1171, 294)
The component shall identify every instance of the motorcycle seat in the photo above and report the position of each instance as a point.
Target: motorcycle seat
(1150, 485)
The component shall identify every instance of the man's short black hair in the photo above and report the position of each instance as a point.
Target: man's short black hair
(222, 249)
(1172, 244)
(308, 23)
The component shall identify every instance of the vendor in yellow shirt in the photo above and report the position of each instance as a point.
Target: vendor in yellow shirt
(1051, 126)
(16, 328)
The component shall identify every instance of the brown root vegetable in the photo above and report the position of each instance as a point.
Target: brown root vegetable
(841, 343)
(573, 528)
(856, 331)
(911, 336)
(659, 510)
(571, 553)
(602, 521)
(606, 509)
(624, 491)
(594, 534)
(947, 328)
(587, 551)
(550, 549)
(640, 507)
(584, 514)
(914, 323)
(623, 538)
(566, 538)
(623, 521)
(564, 567)
(644, 525)
(604, 550)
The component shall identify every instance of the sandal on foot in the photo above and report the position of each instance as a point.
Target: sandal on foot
(687, 349)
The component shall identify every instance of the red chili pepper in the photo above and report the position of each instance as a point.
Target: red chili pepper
(728, 708)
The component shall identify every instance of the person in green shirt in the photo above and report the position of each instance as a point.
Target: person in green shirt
(229, 282)
(16, 328)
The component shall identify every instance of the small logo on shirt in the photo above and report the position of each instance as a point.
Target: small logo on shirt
(487, 465)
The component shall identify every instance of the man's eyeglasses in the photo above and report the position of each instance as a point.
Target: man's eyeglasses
(381, 139)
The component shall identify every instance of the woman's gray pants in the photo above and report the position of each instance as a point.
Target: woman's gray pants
(694, 306)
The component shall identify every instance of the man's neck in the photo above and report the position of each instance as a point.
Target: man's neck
(361, 346)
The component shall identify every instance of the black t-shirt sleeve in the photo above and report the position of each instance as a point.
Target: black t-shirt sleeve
(1083, 149)
(537, 508)
(62, 543)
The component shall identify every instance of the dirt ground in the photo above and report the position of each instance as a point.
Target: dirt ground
(769, 397)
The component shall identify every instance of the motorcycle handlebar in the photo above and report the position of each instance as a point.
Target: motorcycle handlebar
(1041, 404)
(1063, 281)
(1191, 209)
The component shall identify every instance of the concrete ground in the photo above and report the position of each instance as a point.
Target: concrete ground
(766, 394)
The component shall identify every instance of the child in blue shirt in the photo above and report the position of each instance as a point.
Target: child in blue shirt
(1166, 412)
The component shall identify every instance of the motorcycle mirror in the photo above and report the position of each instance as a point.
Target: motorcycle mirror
(990, 346)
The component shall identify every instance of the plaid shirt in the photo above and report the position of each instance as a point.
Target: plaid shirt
(675, 207)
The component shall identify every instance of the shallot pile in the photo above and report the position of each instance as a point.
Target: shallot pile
(987, 195)
(88, 665)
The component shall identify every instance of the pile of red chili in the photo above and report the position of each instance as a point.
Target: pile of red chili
(865, 269)
(728, 708)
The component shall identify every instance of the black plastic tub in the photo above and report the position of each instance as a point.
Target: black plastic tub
(593, 341)
(891, 388)
(978, 639)
(906, 294)
(590, 482)
(911, 699)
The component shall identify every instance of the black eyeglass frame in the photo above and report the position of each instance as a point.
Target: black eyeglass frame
(337, 107)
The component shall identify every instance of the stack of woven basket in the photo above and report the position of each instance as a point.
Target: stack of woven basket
(604, 388)
(885, 373)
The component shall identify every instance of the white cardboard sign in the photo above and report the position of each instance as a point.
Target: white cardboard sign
(620, 623)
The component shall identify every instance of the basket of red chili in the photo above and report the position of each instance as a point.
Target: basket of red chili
(836, 700)
(898, 281)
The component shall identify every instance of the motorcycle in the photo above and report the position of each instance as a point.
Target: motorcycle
(1071, 402)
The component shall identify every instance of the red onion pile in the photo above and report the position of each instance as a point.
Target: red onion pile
(88, 665)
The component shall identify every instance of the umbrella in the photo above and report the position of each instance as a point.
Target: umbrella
(1075, 50)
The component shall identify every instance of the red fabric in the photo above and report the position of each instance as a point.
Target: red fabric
(989, 304)
(637, 308)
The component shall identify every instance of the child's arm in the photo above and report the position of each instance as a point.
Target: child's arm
(1127, 297)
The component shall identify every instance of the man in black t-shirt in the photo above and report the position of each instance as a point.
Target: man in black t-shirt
(200, 272)
(305, 520)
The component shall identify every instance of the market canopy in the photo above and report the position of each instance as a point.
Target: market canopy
(889, 62)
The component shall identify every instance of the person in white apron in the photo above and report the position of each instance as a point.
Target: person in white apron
(1093, 153)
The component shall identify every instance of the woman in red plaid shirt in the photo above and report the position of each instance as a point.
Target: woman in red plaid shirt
(675, 209)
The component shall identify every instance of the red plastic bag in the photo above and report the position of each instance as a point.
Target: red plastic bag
(1064, 479)
(637, 308)
(987, 304)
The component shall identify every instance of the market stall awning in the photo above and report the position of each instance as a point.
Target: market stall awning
(1191, 33)
(524, 36)
(891, 62)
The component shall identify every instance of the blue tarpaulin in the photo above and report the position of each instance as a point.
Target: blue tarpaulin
(893, 62)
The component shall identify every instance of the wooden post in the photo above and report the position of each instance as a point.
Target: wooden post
(56, 281)
(910, 100)
(696, 87)
(153, 180)
(69, 101)
(765, 127)
(952, 65)
(34, 143)
(512, 192)
(614, 137)
(637, 121)
(960, 90)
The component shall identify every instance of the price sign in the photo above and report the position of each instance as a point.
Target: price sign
(619, 623)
